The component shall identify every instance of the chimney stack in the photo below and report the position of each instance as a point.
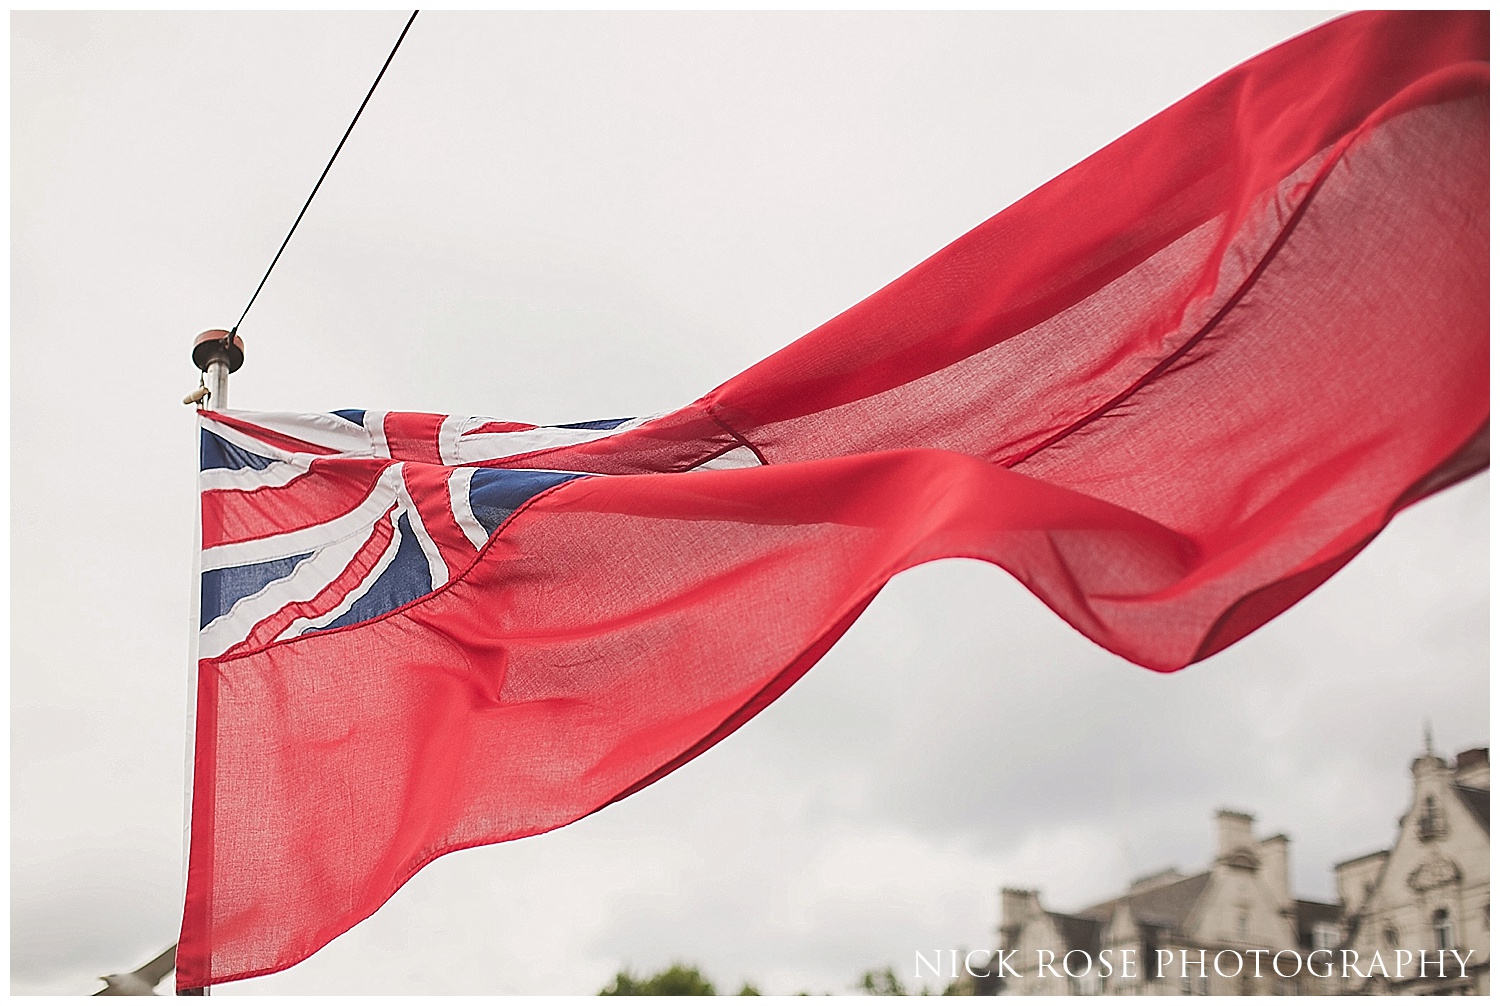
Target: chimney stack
(1276, 867)
(1017, 906)
(1234, 832)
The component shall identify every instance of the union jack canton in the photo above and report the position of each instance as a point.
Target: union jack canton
(402, 502)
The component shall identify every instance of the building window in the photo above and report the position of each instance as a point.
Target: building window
(1242, 925)
(1430, 824)
(1442, 929)
(1090, 985)
(1195, 985)
(1325, 936)
(1087, 985)
(1391, 934)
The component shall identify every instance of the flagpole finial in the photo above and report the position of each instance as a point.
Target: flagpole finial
(218, 353)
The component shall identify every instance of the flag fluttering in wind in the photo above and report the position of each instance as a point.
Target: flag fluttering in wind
(1171, 391)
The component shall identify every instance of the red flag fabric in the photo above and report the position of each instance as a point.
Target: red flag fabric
(1171, 391)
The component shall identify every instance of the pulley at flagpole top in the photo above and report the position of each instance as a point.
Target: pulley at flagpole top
(217, 353)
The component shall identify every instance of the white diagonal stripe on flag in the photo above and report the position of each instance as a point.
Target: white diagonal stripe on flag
(309, 539)
(463, 514)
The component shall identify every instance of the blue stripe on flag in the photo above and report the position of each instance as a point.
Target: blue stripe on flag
(216, 452)
(593, 424)
(223, 587)
(355, 416)
(495, 493)
(407, 578)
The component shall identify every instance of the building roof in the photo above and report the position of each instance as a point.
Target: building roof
(1356, 859)
(1078, 933)
(1473, 756)
(1167, 906)
(1160, 877)
(1478, 802)
(1307, 914)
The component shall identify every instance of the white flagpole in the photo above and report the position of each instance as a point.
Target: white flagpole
(217, 354)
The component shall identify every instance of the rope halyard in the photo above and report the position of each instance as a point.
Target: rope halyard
(236, 327)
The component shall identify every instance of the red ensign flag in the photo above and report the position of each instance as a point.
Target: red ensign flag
(1171, 391)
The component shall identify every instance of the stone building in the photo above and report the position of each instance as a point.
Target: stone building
(1236, 929)
(1430, 891)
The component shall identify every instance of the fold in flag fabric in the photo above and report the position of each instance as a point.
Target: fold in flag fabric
(1171, 391)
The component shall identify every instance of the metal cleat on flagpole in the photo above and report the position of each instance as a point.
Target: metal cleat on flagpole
(217, 354)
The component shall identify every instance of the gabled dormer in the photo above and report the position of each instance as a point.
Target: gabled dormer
(1247, 901)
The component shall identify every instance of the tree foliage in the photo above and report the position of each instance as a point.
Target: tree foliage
(880, 982)
(884, 982)
(677, 980)
(686, 980)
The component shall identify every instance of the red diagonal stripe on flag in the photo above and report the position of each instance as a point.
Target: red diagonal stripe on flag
(328, 490)
(499, 427)
(271, 437)
(329, 597)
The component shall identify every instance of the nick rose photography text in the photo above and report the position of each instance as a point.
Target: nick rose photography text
(1123, 963)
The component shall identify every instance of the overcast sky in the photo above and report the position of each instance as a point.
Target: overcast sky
(562, 217)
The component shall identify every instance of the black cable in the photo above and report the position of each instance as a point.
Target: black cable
(324, 175)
